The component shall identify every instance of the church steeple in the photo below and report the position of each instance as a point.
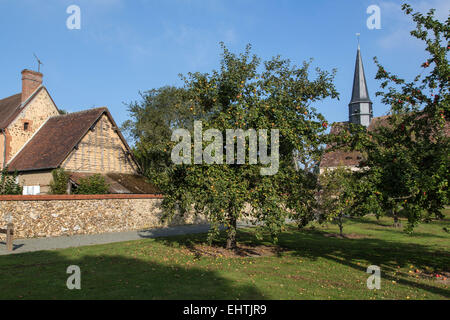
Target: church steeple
(360, 107)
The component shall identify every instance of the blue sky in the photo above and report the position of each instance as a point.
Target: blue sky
(127, 46)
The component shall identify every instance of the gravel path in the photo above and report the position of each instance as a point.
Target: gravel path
(38, 244)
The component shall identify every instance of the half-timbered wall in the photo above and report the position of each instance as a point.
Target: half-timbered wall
(101, 150)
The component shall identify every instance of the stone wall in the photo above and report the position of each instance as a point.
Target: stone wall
(37, 111)
(2, 149)
(58, 215)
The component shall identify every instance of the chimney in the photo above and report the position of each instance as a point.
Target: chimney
(31, 80)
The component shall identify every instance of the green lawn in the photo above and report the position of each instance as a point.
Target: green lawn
(312, 266)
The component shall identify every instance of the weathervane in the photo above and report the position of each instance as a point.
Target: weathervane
(39, 62)
(357, 36)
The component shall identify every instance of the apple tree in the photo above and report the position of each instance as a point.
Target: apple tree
(406, 153)
(247, 94)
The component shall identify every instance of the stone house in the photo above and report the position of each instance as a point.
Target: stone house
(35, 138)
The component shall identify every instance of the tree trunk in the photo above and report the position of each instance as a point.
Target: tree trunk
(302, 223)
(396, 220)
(231, 233)
(341, 227)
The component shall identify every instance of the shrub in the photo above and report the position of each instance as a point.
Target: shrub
(95, 184)
(8, 184)
(59, 182)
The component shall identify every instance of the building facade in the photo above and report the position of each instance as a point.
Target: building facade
(35, 138)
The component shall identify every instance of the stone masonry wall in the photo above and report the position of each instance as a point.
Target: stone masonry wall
(35, 114)
(2, 148)
(50, 216)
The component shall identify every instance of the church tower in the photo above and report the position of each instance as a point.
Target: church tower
(360, 107)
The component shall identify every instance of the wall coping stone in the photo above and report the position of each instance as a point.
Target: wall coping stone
(78, 197)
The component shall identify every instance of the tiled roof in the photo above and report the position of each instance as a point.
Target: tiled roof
(9, 108)
(135, 183)
(339, 157)
(121, 183)
(55, 140)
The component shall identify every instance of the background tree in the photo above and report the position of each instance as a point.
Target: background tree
(336, 196)
(407, 155)
(241, 96)
(152, 120)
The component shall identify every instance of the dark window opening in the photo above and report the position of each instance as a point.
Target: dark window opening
(25, 126)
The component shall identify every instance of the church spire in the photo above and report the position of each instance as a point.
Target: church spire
(360, 107)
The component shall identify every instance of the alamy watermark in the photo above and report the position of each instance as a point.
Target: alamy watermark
(74, 280)
(73, 22)
(374, 281)
(374, 21)
(213, 153)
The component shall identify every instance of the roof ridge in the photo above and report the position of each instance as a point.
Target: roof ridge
(80, 112)
(16, 94)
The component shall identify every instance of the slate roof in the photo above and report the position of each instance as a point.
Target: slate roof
(359, 91)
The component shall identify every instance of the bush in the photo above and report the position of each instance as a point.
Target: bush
(8, 184)
(59, 182)
(95, 184)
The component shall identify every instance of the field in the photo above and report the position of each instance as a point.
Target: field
(308, 264)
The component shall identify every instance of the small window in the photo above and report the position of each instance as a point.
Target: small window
(348, 158)
(26, 125)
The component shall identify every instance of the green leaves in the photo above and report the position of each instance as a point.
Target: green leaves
(8, 184)
(59, 183)
(406, 154)
(152, 121)
(245, 93)
(94, 184)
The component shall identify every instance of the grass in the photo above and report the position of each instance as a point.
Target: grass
(312, 266)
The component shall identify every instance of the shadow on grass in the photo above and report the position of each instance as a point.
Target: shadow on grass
(388, 255)
(313, 244)
(367, 220)
(415, 234)
(42, 275)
